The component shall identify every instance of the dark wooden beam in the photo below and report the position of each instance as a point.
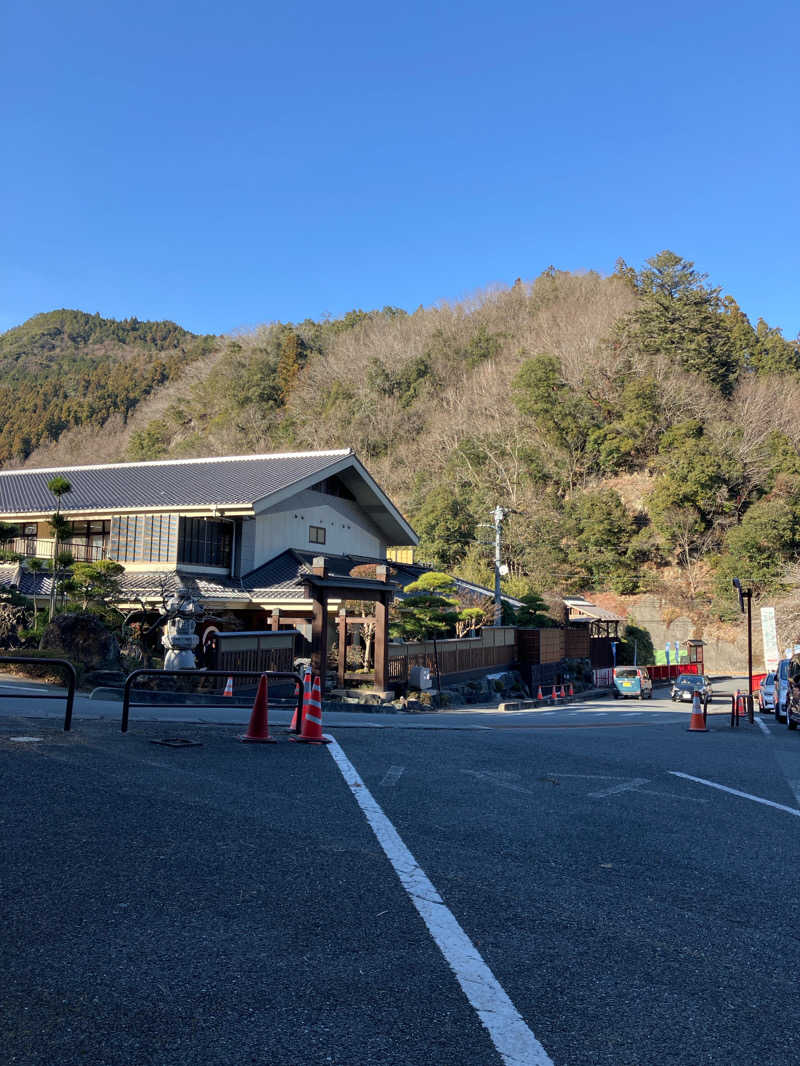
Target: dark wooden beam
(342, 626)
(382, 633)
(319, 625)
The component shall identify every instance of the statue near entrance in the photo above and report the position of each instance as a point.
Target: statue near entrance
(182, 612)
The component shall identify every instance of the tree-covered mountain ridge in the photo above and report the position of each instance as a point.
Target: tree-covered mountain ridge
(68, 368)
(639, 429)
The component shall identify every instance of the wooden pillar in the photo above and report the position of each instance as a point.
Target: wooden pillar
(319, 625)
(342, 626)
(275, 619)
(382, 633)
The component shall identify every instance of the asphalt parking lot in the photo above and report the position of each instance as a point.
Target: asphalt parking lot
(226, 903)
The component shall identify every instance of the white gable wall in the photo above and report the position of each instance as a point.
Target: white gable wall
(348, 530)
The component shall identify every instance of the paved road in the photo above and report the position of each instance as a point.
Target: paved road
(486, 717)
(227, 903)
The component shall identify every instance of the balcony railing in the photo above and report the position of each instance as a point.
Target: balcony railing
(36, 547)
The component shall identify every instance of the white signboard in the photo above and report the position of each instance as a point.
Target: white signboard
(770, 637)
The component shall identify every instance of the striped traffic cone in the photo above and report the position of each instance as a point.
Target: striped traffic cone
(554, 695)
(562, 694)
(696, 722)
(571, 689)
(258, 729)
(539, 695)
(228, 691)
(312, 719)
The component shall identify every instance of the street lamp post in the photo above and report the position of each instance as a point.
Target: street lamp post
(747, 594)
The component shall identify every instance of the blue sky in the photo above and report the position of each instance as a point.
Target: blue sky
(223, 165)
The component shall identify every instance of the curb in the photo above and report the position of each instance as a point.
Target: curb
(547, 701)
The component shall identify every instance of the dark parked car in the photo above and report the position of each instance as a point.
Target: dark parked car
(766, 693)
(793, 695)
(685, 685)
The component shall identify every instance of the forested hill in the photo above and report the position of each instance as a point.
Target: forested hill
(67, 368)
(642, 432)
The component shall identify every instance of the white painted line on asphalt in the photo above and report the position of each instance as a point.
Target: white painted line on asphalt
(513, 1039)
(500, 780)
(7, 690)
(763, 726)
(626, 786)
(392, 775)
(587, 777)
(671, 796)
(736, 792)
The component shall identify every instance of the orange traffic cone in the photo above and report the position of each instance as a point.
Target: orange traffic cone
(539, 695)
(228, 687)
(554, 694)
(312, 719)
(571, 690)
(562, 694)
(696, 722)
(258, 730)
(306, 698)
(741, 704)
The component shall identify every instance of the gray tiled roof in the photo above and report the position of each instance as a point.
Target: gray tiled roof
(149, 585)
(235, 480)
(9, 575)
(281, 577)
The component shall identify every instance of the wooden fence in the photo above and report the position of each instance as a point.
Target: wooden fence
(538, 646)
(495, 647)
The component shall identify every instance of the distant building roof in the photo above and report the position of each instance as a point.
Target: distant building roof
(579, 608)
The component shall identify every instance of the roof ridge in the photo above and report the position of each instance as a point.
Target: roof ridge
(183, 462)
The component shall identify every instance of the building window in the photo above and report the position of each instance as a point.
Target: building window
(88, 541)
(316, 534)
(203, 542)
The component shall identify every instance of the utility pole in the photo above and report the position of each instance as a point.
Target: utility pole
(497, 515)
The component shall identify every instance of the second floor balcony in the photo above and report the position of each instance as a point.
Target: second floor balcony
(44, 548)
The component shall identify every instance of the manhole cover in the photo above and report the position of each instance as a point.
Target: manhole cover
(177, 742)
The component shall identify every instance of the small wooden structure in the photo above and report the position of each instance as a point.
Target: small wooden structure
(601, 622)
(320, 589)
(695, 650)
(258, 650)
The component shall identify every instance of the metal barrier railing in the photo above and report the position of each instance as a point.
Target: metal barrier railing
(71, 683)
(741, 706)
(127, 702)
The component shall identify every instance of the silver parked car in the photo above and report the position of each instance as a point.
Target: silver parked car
(685, 685)
(766, 693)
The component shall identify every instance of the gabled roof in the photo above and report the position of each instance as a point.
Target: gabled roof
(243, 483)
